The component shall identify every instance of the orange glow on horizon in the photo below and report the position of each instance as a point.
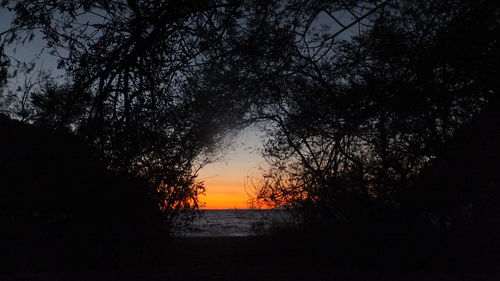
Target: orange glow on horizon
(225, 180)
(223, 193)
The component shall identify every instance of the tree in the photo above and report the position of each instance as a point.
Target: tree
(161, 81)
(156, 85)
(61, 203)
(356, 127)
(4, 64)
(129, 64)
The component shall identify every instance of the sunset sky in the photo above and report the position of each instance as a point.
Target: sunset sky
(225, 179)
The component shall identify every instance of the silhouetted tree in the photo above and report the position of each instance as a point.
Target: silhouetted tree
(357, 126)
(155, 85)
(146, 73)
(60, 205)
(55, 108)
(4, 64)
(130, 63)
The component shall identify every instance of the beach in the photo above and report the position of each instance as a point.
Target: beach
(266, 258)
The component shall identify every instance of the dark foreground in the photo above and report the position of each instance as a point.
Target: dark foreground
(250, 258)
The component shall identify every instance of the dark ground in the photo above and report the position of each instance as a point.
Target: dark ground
(251, 258)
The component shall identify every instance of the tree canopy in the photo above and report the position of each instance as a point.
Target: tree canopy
(155, 84)
(355, 129)
(357, 97)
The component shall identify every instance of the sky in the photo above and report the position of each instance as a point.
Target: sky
(228, 181)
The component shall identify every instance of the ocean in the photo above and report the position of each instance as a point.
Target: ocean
(237, 222)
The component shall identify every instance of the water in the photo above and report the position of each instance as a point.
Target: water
(213, 223)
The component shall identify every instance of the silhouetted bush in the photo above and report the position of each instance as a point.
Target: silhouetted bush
(58, 203)
(461, 188)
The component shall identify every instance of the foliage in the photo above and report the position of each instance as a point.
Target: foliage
(155, 85)
(130, 65)
(4, 64)
(60, 205)
(55, 107)
(353, 116)
(353, 130)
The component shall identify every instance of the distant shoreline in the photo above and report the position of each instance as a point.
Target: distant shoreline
(227, 209)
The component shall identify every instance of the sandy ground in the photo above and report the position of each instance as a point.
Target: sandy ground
(246, 258)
